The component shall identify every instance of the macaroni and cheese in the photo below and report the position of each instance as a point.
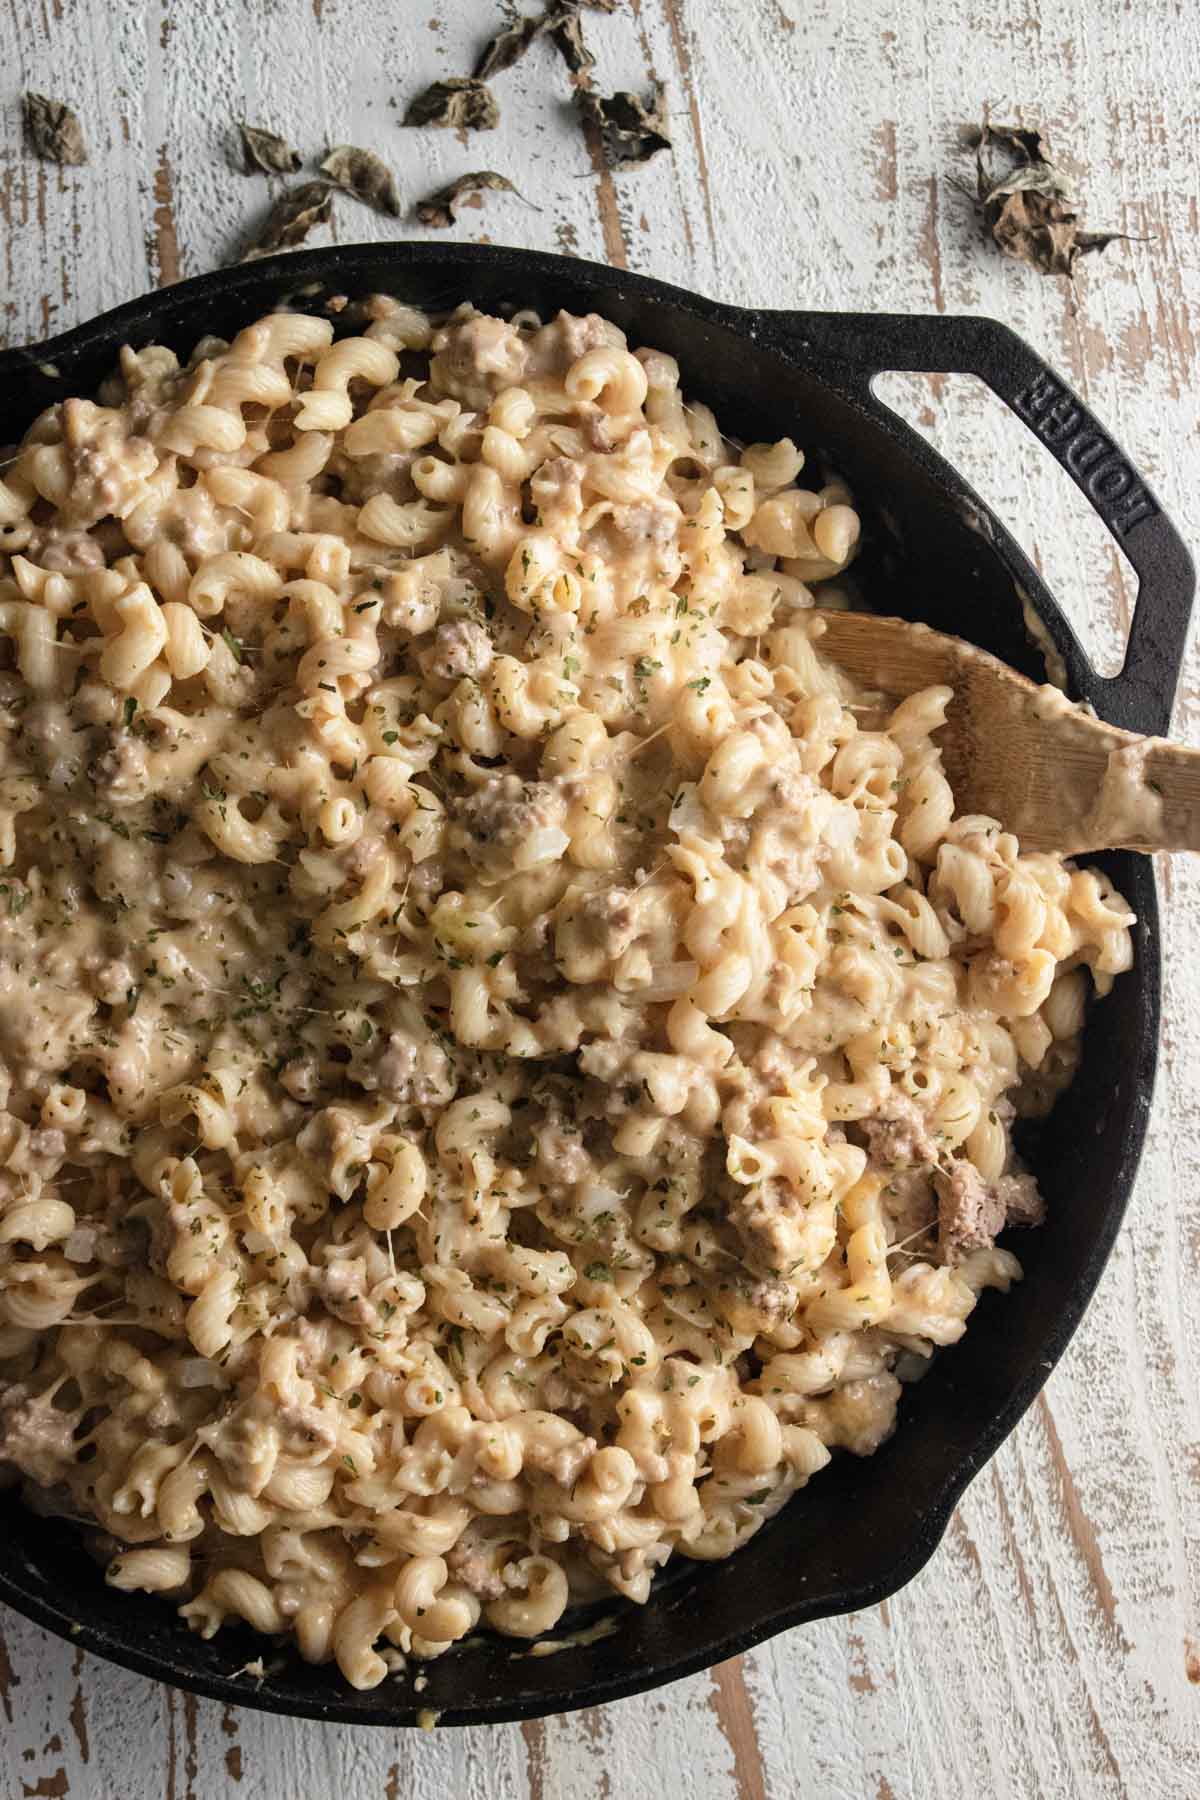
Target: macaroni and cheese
(507, 1059)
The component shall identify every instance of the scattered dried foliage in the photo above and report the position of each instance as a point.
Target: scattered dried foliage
(291, 219)
(264, 152)
(365, 175)
(632, 130)
(54, 130)
(1027, 204)
(464, 104)
(441, 209)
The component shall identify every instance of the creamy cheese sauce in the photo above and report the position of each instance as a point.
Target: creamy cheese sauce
(1035, 626)
(1128, 808)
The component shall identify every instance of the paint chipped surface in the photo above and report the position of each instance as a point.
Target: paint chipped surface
(166, 237)
(730, 1703)
(1053, 1646)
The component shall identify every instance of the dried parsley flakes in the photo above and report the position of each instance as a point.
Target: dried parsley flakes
(365, 175)
(464, 104)
(54, 131)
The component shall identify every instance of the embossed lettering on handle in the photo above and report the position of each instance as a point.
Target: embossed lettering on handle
(1059, 420)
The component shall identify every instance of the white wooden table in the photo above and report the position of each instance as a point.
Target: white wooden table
(1053, 1646)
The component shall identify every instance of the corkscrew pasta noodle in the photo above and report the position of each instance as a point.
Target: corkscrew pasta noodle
(507, 1060)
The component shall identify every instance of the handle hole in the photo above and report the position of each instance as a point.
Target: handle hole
(1086, 571)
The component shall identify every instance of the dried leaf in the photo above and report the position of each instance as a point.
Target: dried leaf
(1024, 145)
(507, 48)
(632, 130)
(54, 130)
(564, 25)
(266, 152)
(441, 209)
(560, 21)
(462, 104)
(1029, 207)
(292, 218)
(365, 175)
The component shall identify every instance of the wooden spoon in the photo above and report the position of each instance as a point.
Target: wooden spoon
(1055, 775)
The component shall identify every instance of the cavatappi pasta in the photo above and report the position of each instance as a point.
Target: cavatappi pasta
(504, 1053)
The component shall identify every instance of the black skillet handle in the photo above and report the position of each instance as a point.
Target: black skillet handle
(867, 345)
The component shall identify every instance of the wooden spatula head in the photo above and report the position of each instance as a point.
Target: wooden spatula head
(1053, 773)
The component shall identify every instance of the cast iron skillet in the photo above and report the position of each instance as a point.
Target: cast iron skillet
(934, 552)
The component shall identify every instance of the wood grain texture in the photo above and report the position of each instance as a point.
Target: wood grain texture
(1053, 1646)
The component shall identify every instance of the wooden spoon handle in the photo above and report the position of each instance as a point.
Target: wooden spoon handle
(1171, 809)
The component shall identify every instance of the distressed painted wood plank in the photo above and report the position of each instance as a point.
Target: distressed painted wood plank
(1054, 1644)
(73, 240)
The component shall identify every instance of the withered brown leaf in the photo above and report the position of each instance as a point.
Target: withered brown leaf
(507, 48)
(266, 153)
(1027, 203)
(559, 21)
(365, 175)
(441, 209)
(463, 104)
(54, 130)
(564, 25)
(292, 218)
(632, 130)
(1025, 144)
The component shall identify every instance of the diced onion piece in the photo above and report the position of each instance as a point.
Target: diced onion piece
(80, 1246)
(197, 1372)
(671, 980)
